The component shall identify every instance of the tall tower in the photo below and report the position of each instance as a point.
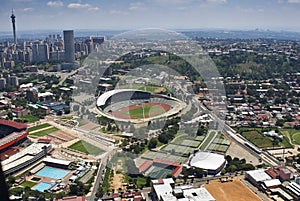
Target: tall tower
(69, 46)
(13, 20)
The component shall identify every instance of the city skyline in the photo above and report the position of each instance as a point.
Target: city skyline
(129, 14)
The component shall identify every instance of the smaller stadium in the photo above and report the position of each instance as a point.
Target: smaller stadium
(137, 106)
(211, 162)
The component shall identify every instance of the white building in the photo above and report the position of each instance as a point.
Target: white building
(211, 162)
(164, 190)
(257, 177)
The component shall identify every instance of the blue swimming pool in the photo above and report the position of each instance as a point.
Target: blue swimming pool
(42, 187)
(51, 172)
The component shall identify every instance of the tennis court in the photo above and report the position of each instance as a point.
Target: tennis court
(160, 172)
(178, 149)
(164, 156)
(190, 143)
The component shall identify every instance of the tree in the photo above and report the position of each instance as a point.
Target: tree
(152, 143)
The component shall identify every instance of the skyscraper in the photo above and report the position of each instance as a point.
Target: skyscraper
(13, 20)
(69, 46)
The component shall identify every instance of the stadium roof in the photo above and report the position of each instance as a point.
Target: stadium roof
(13, 124)
(104, 97)
(207, 160)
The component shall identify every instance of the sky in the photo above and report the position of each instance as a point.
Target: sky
(135, 14)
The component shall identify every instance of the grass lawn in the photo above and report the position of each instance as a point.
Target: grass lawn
(292, 134)
(30, 118)
(29, 184)
(207, 140)
(147, 110)
(258, 139)
(38, 127)
(86, 147)
(44, 132)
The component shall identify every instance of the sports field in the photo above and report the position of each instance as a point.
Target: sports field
(160, 172)
(43, 132)
(38, 127)
(229, 191)
(86, 147)
(139, 111)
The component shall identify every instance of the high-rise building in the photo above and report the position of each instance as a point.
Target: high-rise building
(69, 46)
(13, 81)
(13, 20)
(2, 83)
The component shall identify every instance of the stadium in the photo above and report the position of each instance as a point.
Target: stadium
(11, 133)
(137, 106)
(211, 162)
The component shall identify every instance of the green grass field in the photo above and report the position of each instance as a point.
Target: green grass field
(29, 184)
(258, 139)
(207, 140)
(30, 118)
(44, 132)
(38, 127)
(292, 134)
(86, 147)
(147, 110)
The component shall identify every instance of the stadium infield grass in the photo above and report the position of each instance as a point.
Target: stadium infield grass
(144, 111)
(86, 147)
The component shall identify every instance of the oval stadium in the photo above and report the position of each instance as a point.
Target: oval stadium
(137, 106)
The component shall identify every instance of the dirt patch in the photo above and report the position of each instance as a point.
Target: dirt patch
(229, 191)
(117, 182)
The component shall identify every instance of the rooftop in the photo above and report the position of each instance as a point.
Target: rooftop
(207, 160)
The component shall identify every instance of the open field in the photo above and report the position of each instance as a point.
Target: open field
(30, 118)
(38, 127)
(29, 184)
(140, 111)
(229, 191)
(44, 132)
(86, 147)
(257, 138)
(292, 134)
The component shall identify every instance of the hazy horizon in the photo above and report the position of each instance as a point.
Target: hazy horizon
(275, 15)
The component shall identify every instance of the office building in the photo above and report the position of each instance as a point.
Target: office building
(69, 46)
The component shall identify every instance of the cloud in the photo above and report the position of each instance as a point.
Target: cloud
(217, 1)
(27, 9)
(79, 5)
(135, 6)
(118, 12)
(55, 3)
(93, 8)
(293, 1)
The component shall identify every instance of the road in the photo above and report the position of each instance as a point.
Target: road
(233, 136)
